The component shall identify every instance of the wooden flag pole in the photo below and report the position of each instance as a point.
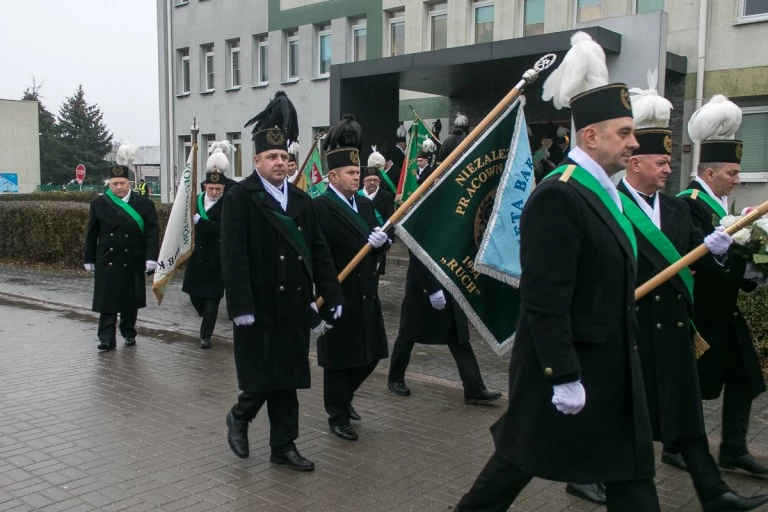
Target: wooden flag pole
(306, 158)
(529, 77)
(425, 124)
(687, 260)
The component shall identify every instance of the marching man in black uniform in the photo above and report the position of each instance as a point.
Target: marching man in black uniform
(382, 196)
(202, 278)
(664, 232)
(120, 247)
(272, 253)
(351, 350)
(731, 365)
(429, 315)
(577, 408)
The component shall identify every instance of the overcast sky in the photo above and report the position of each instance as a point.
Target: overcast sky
(108, 46)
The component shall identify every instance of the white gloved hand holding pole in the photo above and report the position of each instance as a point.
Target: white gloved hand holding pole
(718, 242)
(90, 267)
(437, 300)
(569, 398)
(244, 320)
(196, 218)
(151, 266)
(377, 238)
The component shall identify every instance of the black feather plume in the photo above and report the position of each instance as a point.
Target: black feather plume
(279, 113)
(347, 133)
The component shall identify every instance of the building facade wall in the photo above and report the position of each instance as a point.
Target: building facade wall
(20, 143)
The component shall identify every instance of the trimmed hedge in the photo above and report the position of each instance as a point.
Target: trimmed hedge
(79, 197)
(50, 232)
(754, 307)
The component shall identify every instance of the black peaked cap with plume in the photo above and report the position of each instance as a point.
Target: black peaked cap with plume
(343, 143)
(276, 125)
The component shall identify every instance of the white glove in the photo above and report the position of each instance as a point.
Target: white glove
(313, 305)
(336, 312)
(437, 300)
(377, 238)
(196, 218)
(244, 320)
(90, 267)
(321, 328)
(718, 242)
(569, 398)
(151, 266)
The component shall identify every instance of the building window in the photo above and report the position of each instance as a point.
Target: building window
(207, 141)
(438, 26)
(324, 50)
(237, 158)
(183, 60)
(589, 10)
(754, 133)
(180, 2)
(206, 52)
(533, 17)
(261, 60)
(359, 40)
(185, 146)
(233, 62)
(649, 6)
(483, 15)
(396, 33)
(753, 10)
(292, 55)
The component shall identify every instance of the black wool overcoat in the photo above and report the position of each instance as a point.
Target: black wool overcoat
(202, 277)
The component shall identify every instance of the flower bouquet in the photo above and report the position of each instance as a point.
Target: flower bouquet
(750, 242)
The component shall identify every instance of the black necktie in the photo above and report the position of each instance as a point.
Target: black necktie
(648, 199)
(351, 202)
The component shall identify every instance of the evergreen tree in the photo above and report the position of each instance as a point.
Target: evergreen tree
(84, 137)
(51, 169)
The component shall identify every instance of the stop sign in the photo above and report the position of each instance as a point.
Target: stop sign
(80, 172)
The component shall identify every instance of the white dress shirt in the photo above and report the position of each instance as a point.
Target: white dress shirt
(353, 204)
(655, 212)
(584, 160)
(280, 194)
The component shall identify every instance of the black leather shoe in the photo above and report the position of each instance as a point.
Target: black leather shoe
(483, 397)
(732, 501)
(590, 492)
(353, 414)
(293, 460)
(673, 459)
(106, 346)
(399, 388)
(744, 462)
(237, 436)
(205, 343)
(345, 432)
(129, 342)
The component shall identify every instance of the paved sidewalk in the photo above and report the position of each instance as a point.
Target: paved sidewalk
(142, 428)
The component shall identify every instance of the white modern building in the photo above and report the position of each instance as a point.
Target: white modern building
(19, 146)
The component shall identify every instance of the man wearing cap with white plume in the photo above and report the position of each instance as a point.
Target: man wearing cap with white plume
(666, 336)
(272, 256)
(577, 409)
(381, 195)
(202, 277)
(293, 161)
(731, 365)
(120, 247)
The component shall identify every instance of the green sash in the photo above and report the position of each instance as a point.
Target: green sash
(700, 194)
(388, 181)
(364, 227)
(656, 237)
(127, 208)
(378, 215)
(590, 182)
(201, 207)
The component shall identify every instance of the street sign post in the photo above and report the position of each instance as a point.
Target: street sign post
(80, 174)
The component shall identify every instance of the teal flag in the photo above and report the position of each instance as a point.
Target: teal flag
(445, 228)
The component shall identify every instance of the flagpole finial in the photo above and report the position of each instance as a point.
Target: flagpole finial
(542, 64)
(195, 130)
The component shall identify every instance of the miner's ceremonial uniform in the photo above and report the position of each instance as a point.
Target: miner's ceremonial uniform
(272, 254)
(121, 244)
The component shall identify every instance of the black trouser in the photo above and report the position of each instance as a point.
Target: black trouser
(737, 405)
(107, 322)
(339, 388)
(208, 308)
(283, 410)
(501, 481)
(702, 468)
(462, 353)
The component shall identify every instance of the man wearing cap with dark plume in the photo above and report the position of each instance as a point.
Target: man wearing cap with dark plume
(272, 254)
(666, 345)
(577, 408)
(350, 351)
(202, 277)
(731, 365)
(396, 155)
(121, 246)
(429, 315)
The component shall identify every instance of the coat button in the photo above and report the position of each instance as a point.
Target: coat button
(634, 348)
(111, 234)
(126, 236)
(298, 289)
(125, 264)
(299, 228)
(658, 326)
(637, 308)
(111, 249)
(424, 291)
(679, 296)
(680, 324)
(282, 258)
(110, 263)
(735, 313)
(363, 297)
(548, 372)
(657, 298)
(282, 288)
(300, 258)
(126, 250)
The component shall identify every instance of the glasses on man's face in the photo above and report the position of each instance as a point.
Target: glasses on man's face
(374, 180)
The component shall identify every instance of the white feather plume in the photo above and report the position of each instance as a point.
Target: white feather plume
(648, 108)
(583, 68)
(376, 160)
(718, 119)
(126, 153)
(401, 131)
(461, 120)
(224, 145)
(294, 149)
(562, 131)
(429, 146)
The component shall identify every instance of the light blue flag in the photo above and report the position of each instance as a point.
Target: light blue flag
(499, 253)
